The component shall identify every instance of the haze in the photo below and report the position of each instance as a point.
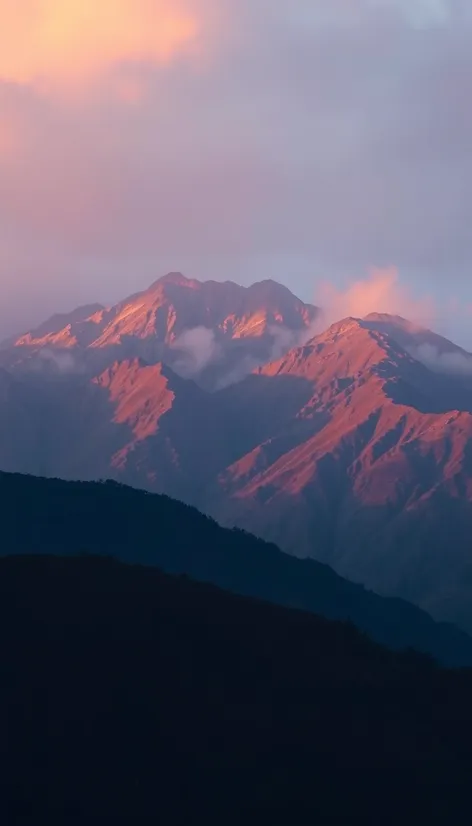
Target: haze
(323, 144)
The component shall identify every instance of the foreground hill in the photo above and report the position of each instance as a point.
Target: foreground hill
(213, 331)
(51, 516)
(128, 696)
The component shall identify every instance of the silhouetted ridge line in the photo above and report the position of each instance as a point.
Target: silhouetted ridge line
(67, 518)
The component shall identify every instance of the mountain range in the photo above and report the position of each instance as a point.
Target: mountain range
(350, 445)
(214, 332)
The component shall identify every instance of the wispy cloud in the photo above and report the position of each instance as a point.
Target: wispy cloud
(197, 348)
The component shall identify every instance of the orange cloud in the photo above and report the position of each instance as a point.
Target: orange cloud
(70, 40)
(381, 292)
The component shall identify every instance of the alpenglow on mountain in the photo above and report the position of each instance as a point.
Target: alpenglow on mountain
(352, 446)
(214, 332)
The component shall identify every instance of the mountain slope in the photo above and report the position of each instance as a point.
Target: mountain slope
(18, 426)
(52, 516)
(367, 471)
(134, 421)
(435, 351)
(216, 331)
(171, 423)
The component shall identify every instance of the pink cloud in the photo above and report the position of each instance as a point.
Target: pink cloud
(193, 146)
(381, 292)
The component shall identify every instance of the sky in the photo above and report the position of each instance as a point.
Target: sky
(323, 143)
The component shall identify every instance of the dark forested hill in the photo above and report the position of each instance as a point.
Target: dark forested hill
(129, 696)
(55, 517)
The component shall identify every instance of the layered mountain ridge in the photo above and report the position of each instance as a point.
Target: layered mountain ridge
(66, 519)
(352, 447)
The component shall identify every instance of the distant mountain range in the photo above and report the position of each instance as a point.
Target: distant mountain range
(352, 445)
(214, 332)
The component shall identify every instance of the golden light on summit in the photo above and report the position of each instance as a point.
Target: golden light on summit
(60, 40)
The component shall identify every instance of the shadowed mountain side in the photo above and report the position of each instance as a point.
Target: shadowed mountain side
(261, 406)
(137, 422)
(424, 390)
(421, 553)
(439, 580)
(179, 439)
(447, 382)
(19, 430)
(398, 519)
(130, 696)
(134, 420)
(51, 516)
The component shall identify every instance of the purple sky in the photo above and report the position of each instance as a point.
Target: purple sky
(307, 141)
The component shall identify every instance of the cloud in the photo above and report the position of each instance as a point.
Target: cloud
(64, 40)
(197, 348)
(381, 292)
(285, 339)
(63, 362)
(453, 361)
(197, 149)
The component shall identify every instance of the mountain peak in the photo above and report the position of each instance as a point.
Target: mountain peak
(433, 350)
(388, 322)
(176, 279)
(215, 329)
(398, 319)
(345, 325)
